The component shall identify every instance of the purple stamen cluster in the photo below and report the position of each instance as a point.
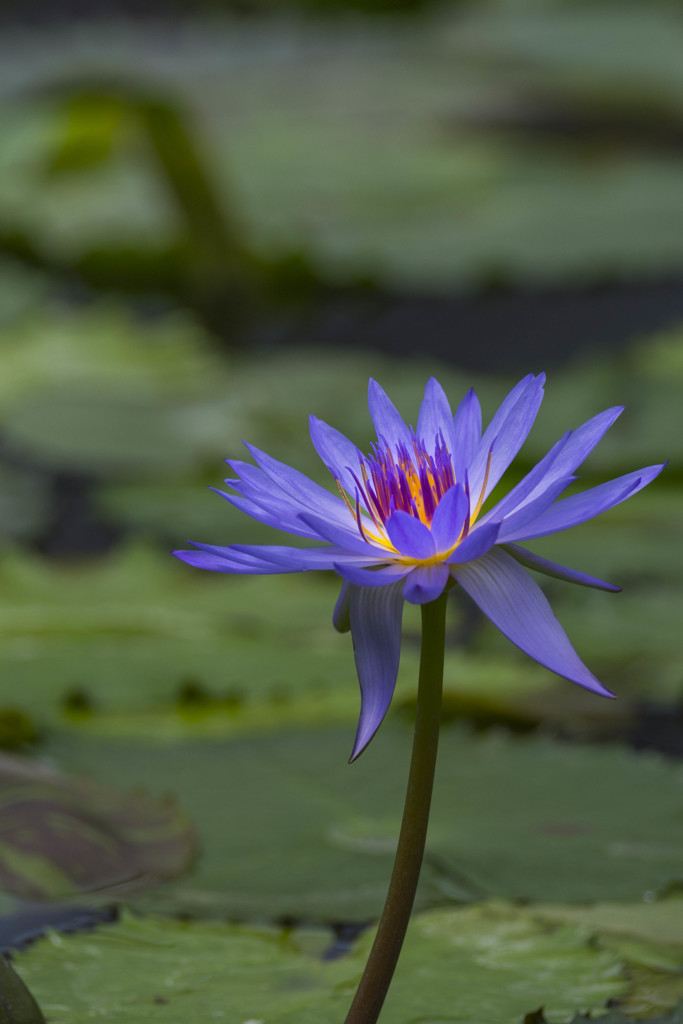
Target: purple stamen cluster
(413, 482)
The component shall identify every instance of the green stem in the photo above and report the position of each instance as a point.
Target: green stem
(393, 924)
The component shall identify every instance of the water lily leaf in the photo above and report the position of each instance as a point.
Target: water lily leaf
(137, 633)
(60, 837)
(104, 347)
(484, 964)
(649, 935)
(103, 433)
(139, 645)
(305, 835)
(658, 922)
(612, 1017)
(330, 166)
(103, 392)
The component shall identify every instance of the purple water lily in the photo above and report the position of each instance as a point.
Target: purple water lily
(409, 520)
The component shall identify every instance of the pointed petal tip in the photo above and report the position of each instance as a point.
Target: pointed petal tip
(514, 602)
(376, 614)
(355, 753)
(604, 692)
(362, 741)
(433, 382)
(531, 560)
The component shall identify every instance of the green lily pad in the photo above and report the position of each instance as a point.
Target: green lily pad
(612, 1017)
(649, 935)
(103, 391)
(658, 922)
(107, 349)
(139, 644)
(60, 837)
(300, 833)
(104, 433)
(369, 167)
(483, 964)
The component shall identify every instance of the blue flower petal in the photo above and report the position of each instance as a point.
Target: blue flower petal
(365, 577)
(254, 483)
(349, 539)
(376, 614)
(338, 453)
(223, 563)
(279, 517)
(449, 518)
(532, 508)
(506, 433)
(475, 544)
(583, 440)
(528, 486)
(409, 536)
(302, 559)
(386, 419)
(467, 429)
(515, 603)
(257, 485)
(304, 492)
(562, 459)
(426, 583)
(560, 572)
(586, 505)
(435, 417)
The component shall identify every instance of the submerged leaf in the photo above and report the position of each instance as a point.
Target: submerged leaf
(60, 837)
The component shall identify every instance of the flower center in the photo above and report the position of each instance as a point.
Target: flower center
(413, 481)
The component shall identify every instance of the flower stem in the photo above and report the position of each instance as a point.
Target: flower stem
(379, 970)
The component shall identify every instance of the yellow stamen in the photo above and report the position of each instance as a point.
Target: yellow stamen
(367, 534)
(345, 499)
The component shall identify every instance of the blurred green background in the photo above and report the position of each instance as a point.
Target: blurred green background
(217, 217)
